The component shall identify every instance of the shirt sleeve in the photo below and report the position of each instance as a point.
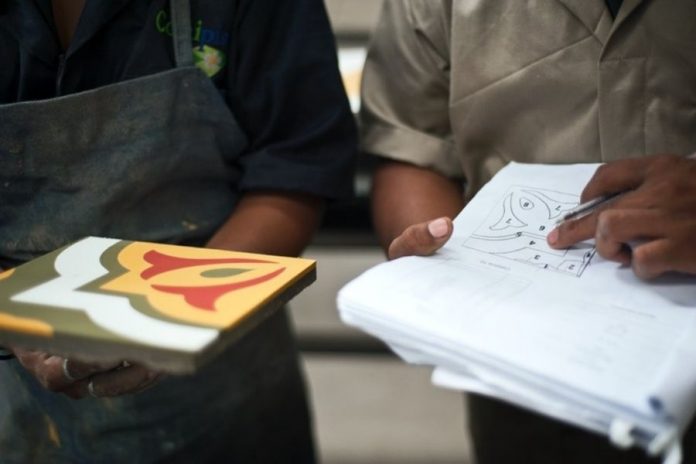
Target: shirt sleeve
(405, 88)
(288, 96)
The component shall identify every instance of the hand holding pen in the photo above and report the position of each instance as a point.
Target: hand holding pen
(649, 202)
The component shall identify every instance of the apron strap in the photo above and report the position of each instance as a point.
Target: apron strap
(181, 28)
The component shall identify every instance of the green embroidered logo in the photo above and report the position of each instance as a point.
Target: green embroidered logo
(208, 59)
(206, 56)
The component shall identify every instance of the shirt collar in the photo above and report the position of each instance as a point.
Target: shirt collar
(31, 22)
(96, 14)
(32, 29)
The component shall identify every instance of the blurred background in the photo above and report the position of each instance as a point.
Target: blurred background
(369, 407)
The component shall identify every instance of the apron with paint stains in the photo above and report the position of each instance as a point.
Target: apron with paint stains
(153, 159)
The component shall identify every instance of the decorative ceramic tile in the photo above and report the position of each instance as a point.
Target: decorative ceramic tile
(169, 307)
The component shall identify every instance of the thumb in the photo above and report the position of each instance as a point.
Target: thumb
(422, 239)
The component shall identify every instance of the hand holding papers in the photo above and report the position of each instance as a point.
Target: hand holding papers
(562, 332)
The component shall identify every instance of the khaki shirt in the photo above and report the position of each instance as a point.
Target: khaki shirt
(464, 86)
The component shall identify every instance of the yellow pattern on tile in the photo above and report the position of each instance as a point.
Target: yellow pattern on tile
(6, 274)
(229, 308)
(25, 325)
(53, 434)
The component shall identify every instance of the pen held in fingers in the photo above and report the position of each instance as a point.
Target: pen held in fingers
(588, 207)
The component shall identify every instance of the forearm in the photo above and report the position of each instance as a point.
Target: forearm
(270, 222)
(404, 194)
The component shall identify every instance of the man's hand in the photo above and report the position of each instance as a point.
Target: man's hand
(421, 239)
(652, 227)
(412, 207)
(78, 380)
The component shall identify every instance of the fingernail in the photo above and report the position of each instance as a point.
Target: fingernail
(438, 228)
(552, 238)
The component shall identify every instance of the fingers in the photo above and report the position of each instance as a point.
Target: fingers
(616, 176)
(79, 370)
(421, 239)
(652, 259)
(47, 369)
(661, 241)
(132, 379)
(54, 373)
(73, 377)
(573, 231)
(617, 228)
(656, 257)
(673, 251)
(658, 211)
(127, 380)
(585, 227)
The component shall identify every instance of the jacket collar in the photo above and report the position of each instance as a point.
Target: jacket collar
(34, 31)
(96, 14)
(31, 22)
(589, 13)
(628, 7)
(595, 16)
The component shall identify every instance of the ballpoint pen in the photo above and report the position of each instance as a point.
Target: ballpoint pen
(586, 208)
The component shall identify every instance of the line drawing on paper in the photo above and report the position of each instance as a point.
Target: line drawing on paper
(517, 229)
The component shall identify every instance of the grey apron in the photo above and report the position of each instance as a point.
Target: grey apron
(152, 159)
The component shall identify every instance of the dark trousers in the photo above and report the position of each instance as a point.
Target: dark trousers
(248, 406)
(504, 434)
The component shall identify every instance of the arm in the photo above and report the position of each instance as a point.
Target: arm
(270, 222)
(412, 208)
(406, 120)
(652, 227)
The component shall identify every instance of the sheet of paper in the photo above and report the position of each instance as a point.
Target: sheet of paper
(487, 383)
(584, 318)
(498, 296)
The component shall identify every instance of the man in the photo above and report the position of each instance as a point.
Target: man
(453, 90)
(221, 124)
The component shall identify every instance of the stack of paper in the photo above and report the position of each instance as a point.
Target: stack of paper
(565, 333)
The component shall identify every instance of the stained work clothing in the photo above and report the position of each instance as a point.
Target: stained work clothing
(151, 130)
(277, 74)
